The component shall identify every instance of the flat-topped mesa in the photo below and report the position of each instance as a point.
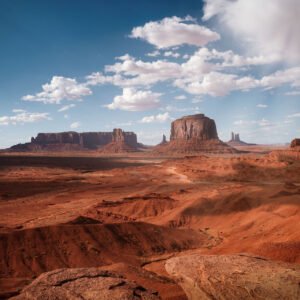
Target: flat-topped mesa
(197, 127)
(71, 140)
(84, 139)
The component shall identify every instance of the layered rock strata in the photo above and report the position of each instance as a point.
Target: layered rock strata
(195, 133)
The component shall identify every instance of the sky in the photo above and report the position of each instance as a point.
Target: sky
(139, 64)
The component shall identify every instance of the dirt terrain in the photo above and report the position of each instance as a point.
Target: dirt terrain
(132, 215)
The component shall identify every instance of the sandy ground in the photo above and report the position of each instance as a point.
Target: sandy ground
(79, 210)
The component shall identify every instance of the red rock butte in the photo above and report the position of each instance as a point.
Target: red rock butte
(194, 133)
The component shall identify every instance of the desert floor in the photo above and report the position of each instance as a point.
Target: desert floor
(131, 213)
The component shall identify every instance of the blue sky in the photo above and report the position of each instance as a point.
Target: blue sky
(97, 65)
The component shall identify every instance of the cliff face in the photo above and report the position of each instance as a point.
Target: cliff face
(77, 141)
(197, 127)
(295, 143)
(192, 134)
(128, 138)
(121, 142)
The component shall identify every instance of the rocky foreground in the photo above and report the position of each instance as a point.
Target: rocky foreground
(234, 277)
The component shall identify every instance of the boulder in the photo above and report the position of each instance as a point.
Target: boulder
(85, 283)
(234, 277)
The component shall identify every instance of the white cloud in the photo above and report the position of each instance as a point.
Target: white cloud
(216, 84)
(174, 31)
(171, 54)
(205, 72)
(135, 100)
(21, 117)
(268, 27)
(180, 97)
(75, 125)
(262, 105)
(289, 76)
(60, 88)
(66, 107)
(153, 53)
(293, 93)
(133, 72)
(18, 111)
(160, 118)
(296, 115)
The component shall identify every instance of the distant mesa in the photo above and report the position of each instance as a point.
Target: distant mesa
(121, 142)
(295, 144)
(194, 133)
(116, 141)
(236, 141)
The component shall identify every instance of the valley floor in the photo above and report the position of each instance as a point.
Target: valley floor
(131, 215)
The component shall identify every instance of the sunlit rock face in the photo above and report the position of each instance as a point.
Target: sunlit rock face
(295, 143)
(71, 140)
(197, 127)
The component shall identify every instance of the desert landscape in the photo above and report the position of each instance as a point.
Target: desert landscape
(150, 150)
(192, 218)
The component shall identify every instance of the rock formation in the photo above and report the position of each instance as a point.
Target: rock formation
(121, 142)
(164, 140)
(85, 283)
(234, 277)
(194, 133)
(236, 141)
(194, 127)
(295, 143)
(67, 141)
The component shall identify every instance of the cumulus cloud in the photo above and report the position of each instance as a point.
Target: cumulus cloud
(21, 117)
(159, 118)
(75, 125)
(135, 100)
(153, 53)
(60, 88)
(66, 107)
(132, 72)
(269, 27)
(216, 84)
(171, 54)
(174, 31)
(289, 76)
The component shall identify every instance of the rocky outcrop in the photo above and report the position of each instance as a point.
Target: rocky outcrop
(195, 133)
(234, 277)
(164, 140)
(197, 127)
(85, 283)
(68, 141)
(236, 141)
(295, 143)
(121, 142)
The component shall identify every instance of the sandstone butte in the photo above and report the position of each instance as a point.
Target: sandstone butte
(195, 133)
